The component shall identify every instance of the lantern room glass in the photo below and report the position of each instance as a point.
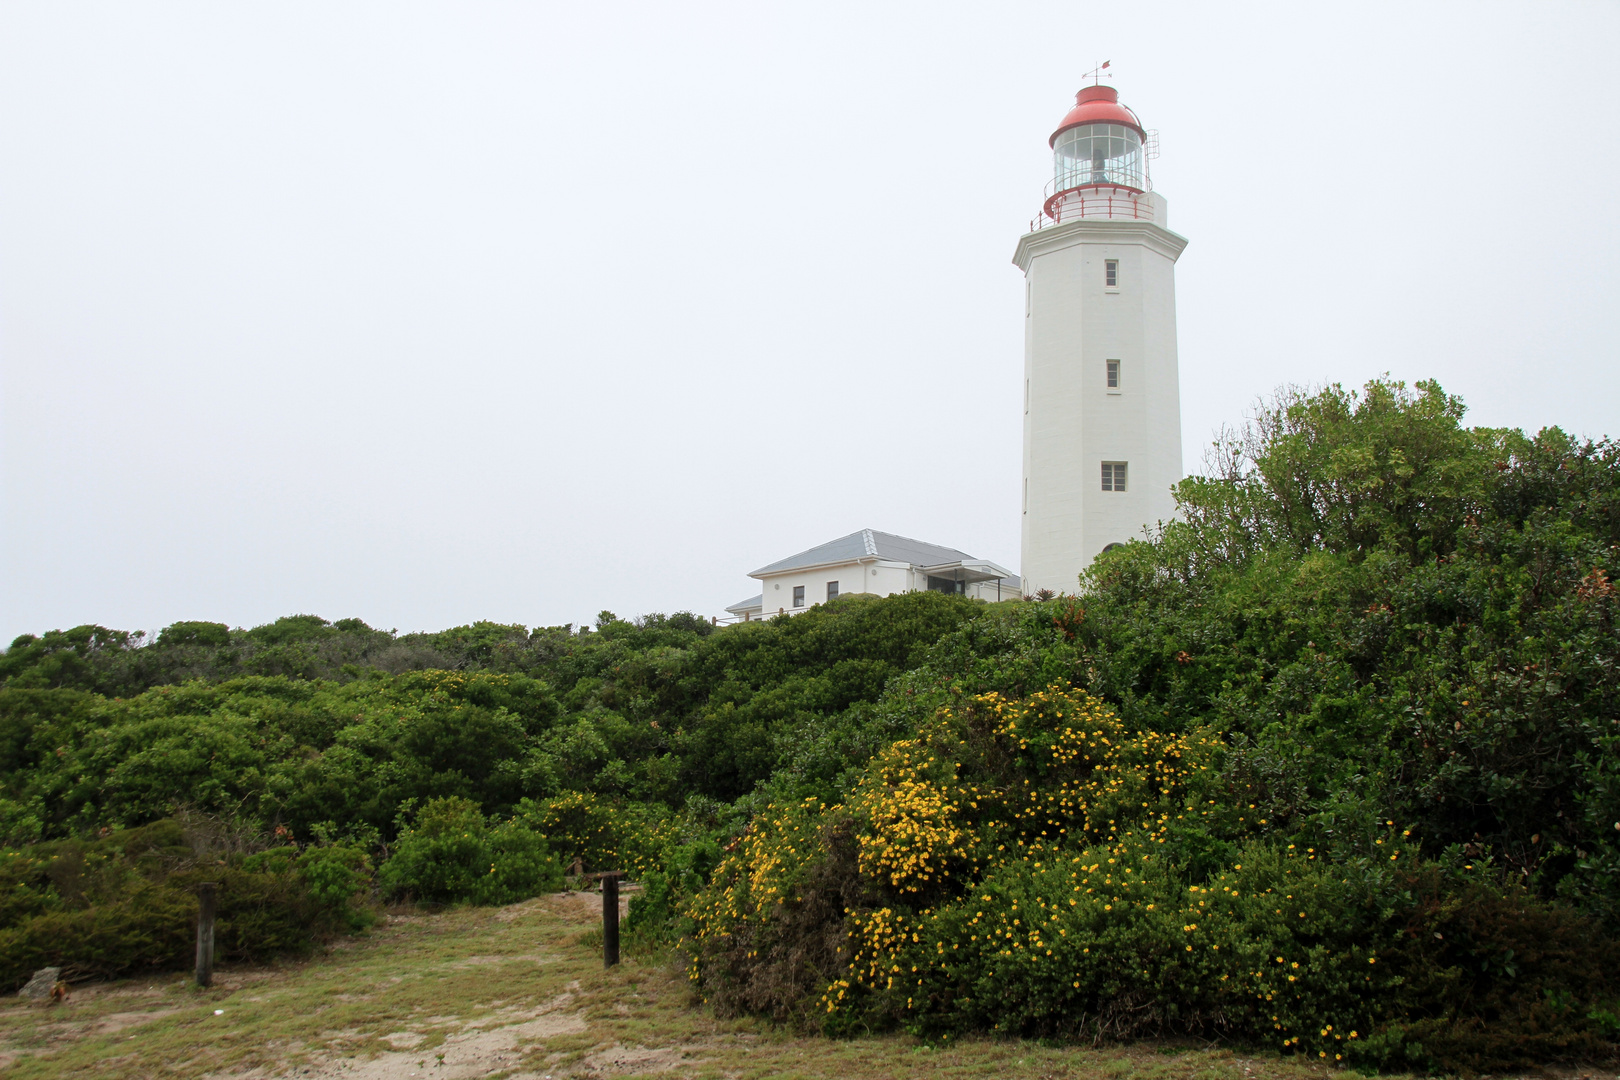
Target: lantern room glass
(1098, 154)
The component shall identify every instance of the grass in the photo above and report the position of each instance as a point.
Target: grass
(513, 992)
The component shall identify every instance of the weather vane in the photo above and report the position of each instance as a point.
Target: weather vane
(1096, 74)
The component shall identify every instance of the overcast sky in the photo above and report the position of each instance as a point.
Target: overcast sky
(430, 313)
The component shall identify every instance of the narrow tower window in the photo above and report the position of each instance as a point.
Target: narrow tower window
(1113, 376)
(1113, 476)
(1111, 273)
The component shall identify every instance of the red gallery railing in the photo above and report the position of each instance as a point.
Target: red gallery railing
(1101, 202)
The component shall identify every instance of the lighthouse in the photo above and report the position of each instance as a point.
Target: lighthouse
(1102, 399)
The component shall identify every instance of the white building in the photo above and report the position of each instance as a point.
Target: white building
(1102, 398)
(873, 562)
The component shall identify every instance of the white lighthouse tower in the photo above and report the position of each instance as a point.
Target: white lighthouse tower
(1102, 398)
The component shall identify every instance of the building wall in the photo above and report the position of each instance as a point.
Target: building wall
(851, 578)
(878, 577)
(1073, 422)
(778, 589)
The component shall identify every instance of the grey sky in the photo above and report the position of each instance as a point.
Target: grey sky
(433, 313)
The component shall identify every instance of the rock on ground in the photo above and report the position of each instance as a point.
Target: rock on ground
(42, 982)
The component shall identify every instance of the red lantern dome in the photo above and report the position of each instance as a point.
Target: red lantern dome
(1098, 105)
(1099, 159)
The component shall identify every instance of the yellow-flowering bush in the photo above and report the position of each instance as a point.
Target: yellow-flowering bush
(1031, 867)
(914, 834)
(768, 932)
(1109, 940)
(984, 785)
(602, 834)
(994, 780)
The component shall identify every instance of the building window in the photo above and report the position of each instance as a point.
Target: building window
(832, 591)
(1113, 475)
(1113, 374)
(798, 596)
(1111, 273)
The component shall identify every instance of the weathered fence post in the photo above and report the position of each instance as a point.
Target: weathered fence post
(610, 919)
(205, 932)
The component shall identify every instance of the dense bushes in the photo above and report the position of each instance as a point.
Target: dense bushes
(451, 852)
(127, 901)
(1393, 617)
(649, 713)
(1496, 979)
(1381, 617)
(601, 834)
(1033, 867)
(514, 781)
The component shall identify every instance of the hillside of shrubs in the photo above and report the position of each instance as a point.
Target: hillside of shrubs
(1328, 766)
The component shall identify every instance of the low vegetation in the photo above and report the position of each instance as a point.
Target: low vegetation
(519, 991)
(1328, 766)
(126, 900)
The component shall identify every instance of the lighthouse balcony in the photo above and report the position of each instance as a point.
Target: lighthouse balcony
(1108, 202)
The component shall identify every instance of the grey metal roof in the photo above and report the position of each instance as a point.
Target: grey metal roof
(753, 603)
(867, 544)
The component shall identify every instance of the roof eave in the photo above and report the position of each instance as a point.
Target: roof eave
(768, 571)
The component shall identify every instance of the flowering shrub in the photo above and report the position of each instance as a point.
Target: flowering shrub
(1031, 867)
(1110, 941)
(769, 931)
(602, 834)
(997, 780)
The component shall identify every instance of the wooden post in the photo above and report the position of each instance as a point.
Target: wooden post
(205, 932)
(610, 919)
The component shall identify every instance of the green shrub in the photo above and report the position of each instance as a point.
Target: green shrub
(151, 925)
(337, 877)
(20, 823)
(651, 912)
(451, 853)
(1497, 979)
(127, 901)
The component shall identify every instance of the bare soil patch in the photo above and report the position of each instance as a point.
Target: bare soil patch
(623, 1060)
